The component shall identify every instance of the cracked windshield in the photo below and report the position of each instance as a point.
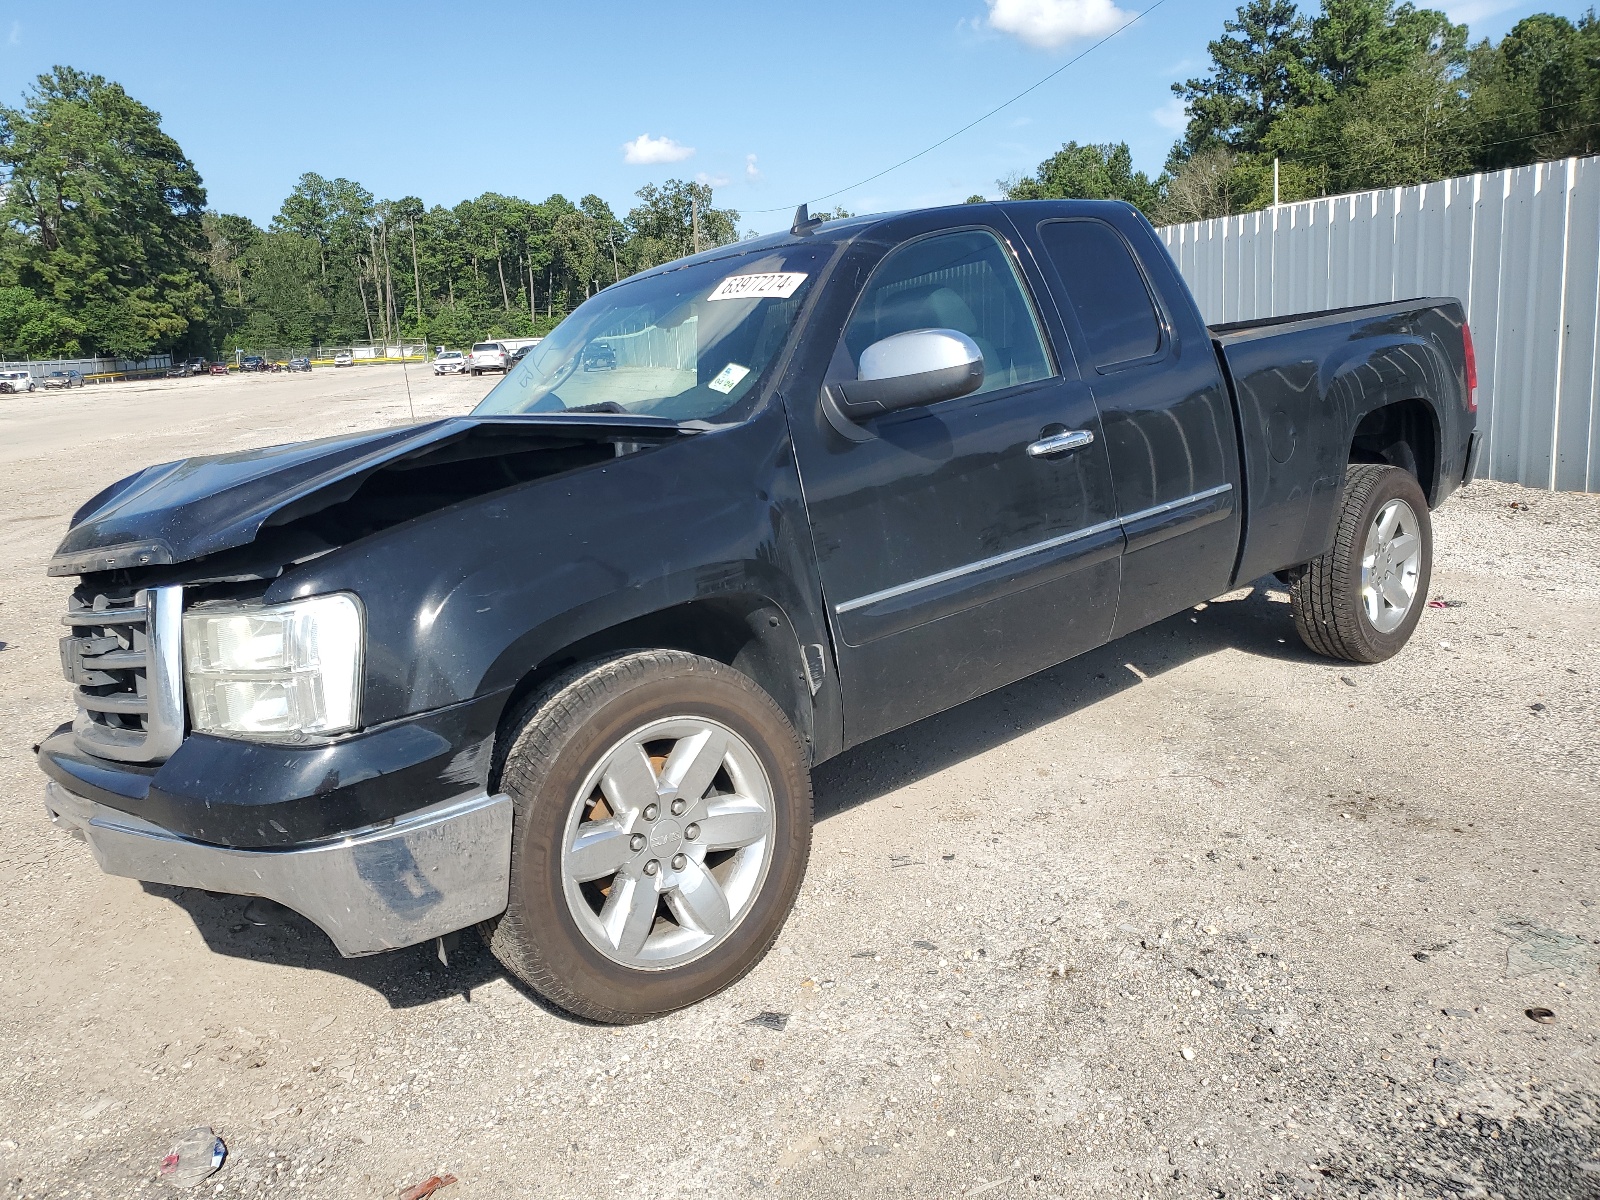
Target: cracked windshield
(688, 344)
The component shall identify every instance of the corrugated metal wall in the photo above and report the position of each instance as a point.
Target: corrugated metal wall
(1521, 248)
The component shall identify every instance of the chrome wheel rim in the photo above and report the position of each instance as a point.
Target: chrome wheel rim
(1391, 566)
(667, 843)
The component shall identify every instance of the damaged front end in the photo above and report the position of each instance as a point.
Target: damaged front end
(378, 826)
(270, 508)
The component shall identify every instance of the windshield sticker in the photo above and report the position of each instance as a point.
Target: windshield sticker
(781, 284)
(728, 378)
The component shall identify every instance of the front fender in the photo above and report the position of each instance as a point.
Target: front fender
(464, 602)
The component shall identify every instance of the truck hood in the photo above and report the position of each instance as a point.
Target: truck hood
(184, 510)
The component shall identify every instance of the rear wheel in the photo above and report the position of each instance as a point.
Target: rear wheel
(662, 826)
(1362, 599)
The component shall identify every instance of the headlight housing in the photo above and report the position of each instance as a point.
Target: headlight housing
(276, 672)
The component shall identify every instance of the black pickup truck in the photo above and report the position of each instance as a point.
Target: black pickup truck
(559, 669)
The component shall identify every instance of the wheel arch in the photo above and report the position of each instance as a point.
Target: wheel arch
(747, 631)
(1402, 433)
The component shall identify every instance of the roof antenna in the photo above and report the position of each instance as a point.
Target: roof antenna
(804, 222)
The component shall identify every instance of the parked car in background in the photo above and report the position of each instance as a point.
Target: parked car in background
(194, 366)
(300, 363)
(217, 368)
(344, 359)
(489, 356)
(517, 355)
(449, 362)
(599, 356)
(62, 379)
(253, 362)
(16, 381)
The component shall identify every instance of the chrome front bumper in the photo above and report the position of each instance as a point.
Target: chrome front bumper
(426, 874)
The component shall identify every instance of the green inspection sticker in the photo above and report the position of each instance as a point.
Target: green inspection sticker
(728, 378)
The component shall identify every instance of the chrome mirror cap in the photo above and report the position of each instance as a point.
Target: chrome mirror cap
(920, 366)
(917, 352)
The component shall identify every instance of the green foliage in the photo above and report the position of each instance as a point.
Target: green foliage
(105, 245)
(1260, 67)
(676, 219)
(1537, 94)
(1077, 172)
(1369, 94)
(32, 326)
(102, 215)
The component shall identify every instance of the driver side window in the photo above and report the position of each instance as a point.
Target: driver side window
(963, 281)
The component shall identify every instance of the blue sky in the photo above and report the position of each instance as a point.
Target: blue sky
(777, 102)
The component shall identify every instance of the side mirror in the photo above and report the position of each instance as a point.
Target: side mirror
(921, 366)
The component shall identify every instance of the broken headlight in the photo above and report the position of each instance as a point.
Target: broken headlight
(275, 672)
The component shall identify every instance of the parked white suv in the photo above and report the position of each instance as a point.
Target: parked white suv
(488, 356)
(16, 381)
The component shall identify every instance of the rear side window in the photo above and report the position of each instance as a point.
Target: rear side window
(963, 281)
(1105, 288)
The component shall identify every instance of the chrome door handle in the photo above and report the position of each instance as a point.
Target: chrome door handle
(1060, 443)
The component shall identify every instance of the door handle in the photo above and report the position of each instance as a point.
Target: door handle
(1060, 443)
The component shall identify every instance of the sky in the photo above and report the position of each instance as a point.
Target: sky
(770, 103)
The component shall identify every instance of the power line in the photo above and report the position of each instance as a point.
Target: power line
(970, 124)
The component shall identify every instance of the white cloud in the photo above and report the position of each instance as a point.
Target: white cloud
(16, 34)
(1051, 23)
(715, 181)
(752, 173)
(1171, 115)
(647, 150)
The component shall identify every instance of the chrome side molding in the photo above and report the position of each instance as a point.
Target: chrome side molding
(983, 564)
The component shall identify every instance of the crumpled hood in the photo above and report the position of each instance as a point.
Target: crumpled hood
(184, 510)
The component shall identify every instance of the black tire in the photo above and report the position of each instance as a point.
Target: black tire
(550, 746)
(1326, 593)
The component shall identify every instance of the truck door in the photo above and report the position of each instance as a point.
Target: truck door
(1168, 416)
(958, 551)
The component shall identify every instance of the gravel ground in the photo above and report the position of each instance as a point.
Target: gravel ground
(1198, 914)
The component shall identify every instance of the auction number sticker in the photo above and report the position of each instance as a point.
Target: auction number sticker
(781, 284)
(728, 378)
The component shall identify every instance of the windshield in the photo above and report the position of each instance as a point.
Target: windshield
(687, 344)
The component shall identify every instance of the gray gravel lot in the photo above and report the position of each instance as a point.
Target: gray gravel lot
(1198, 914)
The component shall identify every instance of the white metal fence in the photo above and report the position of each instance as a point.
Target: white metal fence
(1520, 248)
(103, 365)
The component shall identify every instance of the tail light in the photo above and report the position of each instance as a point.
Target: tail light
(1472, 367)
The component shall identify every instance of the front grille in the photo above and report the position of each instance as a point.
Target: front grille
(123, 658)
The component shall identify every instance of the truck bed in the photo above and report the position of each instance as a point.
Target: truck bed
(1305, 386)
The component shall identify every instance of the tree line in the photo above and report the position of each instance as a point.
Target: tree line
(1363, 94)
(107, 244)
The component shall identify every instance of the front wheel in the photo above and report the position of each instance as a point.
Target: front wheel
(1362, 600)
(662, 826)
